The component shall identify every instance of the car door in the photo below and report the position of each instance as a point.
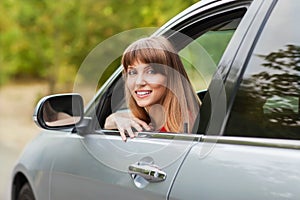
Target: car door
(255, 151)
(100, 165)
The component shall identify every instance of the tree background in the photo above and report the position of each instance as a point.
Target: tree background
(47, 40)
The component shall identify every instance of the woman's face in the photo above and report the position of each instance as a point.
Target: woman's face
(145, 84)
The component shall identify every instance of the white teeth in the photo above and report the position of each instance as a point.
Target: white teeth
(142, 93)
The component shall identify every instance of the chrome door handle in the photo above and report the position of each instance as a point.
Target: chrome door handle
(151, 173)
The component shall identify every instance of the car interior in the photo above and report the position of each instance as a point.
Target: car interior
(218, 28)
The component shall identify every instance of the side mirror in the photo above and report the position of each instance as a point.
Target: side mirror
(59, 111)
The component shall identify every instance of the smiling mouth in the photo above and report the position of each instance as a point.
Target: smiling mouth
(144, 93)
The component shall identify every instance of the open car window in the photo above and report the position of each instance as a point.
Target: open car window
(200, 54)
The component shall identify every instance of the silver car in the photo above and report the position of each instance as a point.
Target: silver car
(246, 146)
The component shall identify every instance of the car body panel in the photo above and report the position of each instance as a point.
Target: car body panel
(245, 168)
(100, 164)
(36, 160)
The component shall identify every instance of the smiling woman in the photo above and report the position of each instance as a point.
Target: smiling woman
(158, 91)
(147, 85)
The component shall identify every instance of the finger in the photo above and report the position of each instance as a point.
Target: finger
(143, 124)
(130, 132)
(122, 134)
(136, 126)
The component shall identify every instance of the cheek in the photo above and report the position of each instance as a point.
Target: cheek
(158, 87)
(130, 83)
(157, 81)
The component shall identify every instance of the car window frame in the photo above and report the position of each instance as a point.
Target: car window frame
(256, 20)
(169, 33)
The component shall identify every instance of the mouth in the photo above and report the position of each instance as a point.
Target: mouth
(143, 93)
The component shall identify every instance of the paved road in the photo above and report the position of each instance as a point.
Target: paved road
(16, 126)
(8, 157)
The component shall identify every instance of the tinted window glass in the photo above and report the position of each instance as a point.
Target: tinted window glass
(267, 103)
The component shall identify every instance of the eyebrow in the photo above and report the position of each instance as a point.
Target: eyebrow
(135, 66)
(147, 67)
(130, 67)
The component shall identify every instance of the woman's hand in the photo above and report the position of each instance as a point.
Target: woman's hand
(124, 122)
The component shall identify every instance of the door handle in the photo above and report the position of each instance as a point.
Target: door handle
(151, 173)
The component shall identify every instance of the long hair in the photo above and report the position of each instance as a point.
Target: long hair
(180, 103)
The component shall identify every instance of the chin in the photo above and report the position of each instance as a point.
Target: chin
(143, 104)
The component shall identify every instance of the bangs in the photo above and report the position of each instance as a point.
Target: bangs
(146, 55)
(152, 51)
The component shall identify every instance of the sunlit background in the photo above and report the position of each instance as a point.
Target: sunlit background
(43, 43)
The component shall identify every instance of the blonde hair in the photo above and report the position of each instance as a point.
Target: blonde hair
(181, 103)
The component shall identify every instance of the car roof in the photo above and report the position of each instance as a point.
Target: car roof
(200, 6)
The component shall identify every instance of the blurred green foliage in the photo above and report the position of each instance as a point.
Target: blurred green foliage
(48, 40)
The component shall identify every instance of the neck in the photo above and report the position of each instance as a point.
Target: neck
(157, 115)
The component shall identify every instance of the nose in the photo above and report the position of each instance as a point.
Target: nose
(140, 79)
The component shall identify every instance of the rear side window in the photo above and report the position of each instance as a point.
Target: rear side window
(204, 54)
(201, 57)
(268, 100)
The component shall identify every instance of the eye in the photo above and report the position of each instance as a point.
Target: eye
(131, 72)
(150, 70)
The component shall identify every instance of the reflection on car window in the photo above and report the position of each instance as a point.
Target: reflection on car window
(267, 103)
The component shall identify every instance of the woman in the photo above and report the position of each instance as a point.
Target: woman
(158, 91)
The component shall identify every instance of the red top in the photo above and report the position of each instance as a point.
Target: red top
(163, 129)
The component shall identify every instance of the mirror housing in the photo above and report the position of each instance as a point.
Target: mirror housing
(59, 111)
